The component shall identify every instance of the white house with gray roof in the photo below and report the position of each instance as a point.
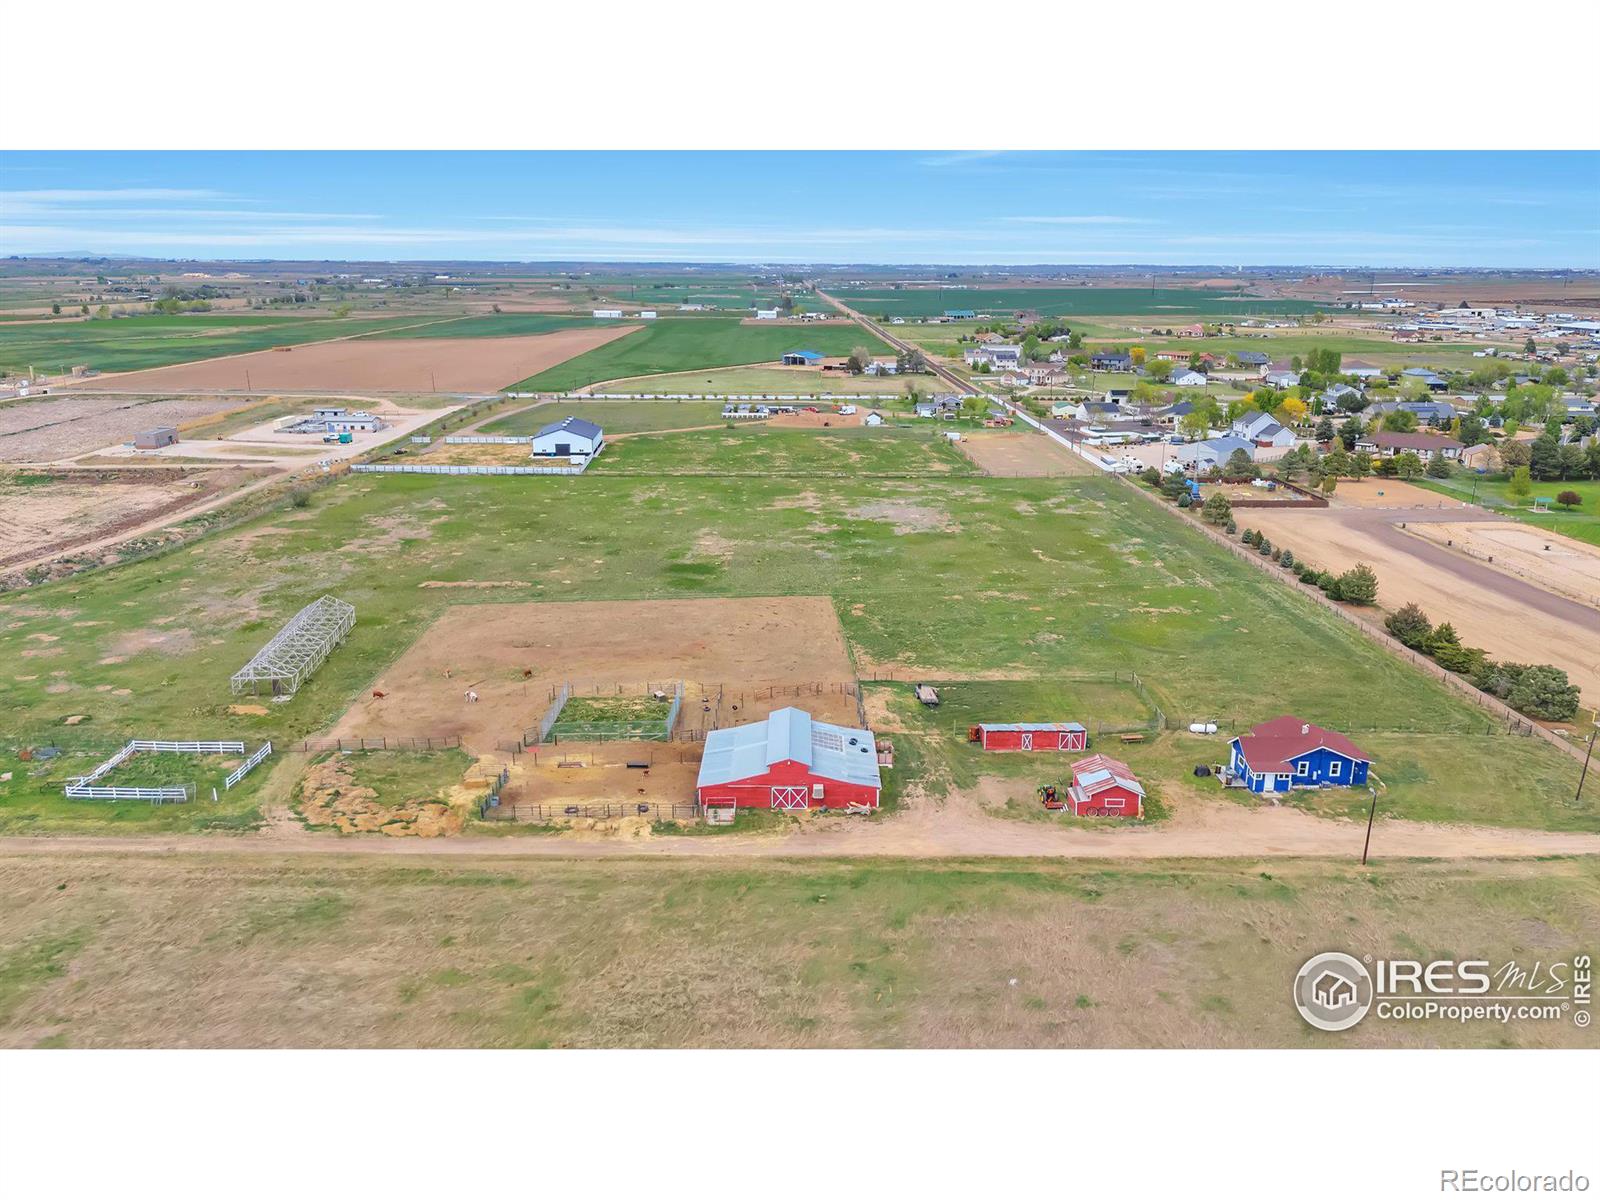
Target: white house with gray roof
(570, 437)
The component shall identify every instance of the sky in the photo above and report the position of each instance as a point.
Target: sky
(1256, 208)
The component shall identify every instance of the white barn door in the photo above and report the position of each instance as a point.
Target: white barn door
(1027, 741)
(791, 797)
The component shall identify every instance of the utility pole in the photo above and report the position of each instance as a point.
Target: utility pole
(1372, 812)
(1587, 754)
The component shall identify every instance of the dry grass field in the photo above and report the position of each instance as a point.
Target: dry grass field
(60, 427)
(1020, 454)
(1548, 559)
(392, 365)
(514, 655)
(100, 949)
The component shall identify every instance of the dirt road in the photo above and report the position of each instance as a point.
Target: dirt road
(959, 828)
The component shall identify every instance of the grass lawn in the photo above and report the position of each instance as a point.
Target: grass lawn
(758, 448)
(404, 776)
(516, 953)
(934, 572)
(612, 716)
(1582, 522)
(672, 345)
(614, 416)
(134, 343)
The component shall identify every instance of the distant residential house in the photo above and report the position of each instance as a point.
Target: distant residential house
(872, 419)
(926, 408)
(1213, 453)
(1425, 446)
(1252, 358)
(999, 356)
(766, 314)
(1064, 408)
(1248, 424)
(1112, 361)
(880, 366)
(1428, 412)
(1331, 397)
(1287, 752)
(1190, 331)
(1280, 379)
(1187, 377)
(959, 314)
(1173, 413)
(1357, 369)
(1482, 457)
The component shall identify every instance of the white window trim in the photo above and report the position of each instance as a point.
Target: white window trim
(1334, 768)
(1303, 767)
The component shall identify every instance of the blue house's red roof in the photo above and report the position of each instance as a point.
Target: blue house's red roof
(1273, 745)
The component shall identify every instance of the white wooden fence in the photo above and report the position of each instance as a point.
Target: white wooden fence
(483, 439)
(246, 766)
(461, 469)
(83, 787)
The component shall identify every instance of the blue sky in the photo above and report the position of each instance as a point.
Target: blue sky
(1241, 208)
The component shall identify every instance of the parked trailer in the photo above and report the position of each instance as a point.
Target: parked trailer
(927, 694)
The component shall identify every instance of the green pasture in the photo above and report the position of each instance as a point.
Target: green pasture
(670, 345)
(772, 381)
(932, 572)
(755, 447)
(490, 325)
(135, 343)
(1160, 303)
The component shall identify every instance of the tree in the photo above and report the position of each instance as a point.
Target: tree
(1239, 466)
(1285, 559)
(1217, 510)
(1515, 454)
(1151, 476)
(1408, 465)
(1350, 432)
(1329, 482)
(1544, 692)
(1410, 626)
(1137, 355)
(1358, 585)
(1264, 547)
(1292, 410)
(856, 364)
(103, 313)
(1438, 467)
(1174, 486)
(1360, 465)
(1568, 499)
(1520, 487)
(1544, 459)
(1324, 431)
(1193, 424)
(1529, 348)
(1159, 369)
(1400, 421)
(1336, 464)
(55, 309)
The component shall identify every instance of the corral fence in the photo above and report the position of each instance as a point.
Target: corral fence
(246, 766)
(598, 754)
(83, 787)
(320, 745)
(487, 439)
(543, 814)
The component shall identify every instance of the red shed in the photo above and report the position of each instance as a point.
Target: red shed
(789, 761)
(1043, 735)
(1105, 787)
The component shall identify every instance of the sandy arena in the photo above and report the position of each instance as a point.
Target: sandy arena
(378, 364)
(1510, 617)
(1023, 454)
(748, 647)
(1550, 560)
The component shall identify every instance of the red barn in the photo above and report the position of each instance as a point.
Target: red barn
(1043, 735)
(1105, 787)
(789, 761)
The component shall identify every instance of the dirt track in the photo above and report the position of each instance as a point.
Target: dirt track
(1021, 454)
(379, 364)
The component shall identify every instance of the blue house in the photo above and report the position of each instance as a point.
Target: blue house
(1287, 752)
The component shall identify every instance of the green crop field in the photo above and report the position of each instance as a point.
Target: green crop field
(930, 570)
(135, 343)
(668, 345)
(1581, 522)
(772, 381)
(1176, 303)
(489, 325)
(614, 416)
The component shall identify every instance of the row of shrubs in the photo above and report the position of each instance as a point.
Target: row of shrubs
(1539, 690)
(1358, 585)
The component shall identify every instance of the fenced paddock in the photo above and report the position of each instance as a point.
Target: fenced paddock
(84, 787)
(544, 814)
(485, 439)
(343, 744)
(466, 469)
(648, 715)
(297, 650)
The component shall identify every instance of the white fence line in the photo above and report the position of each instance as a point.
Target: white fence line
(188, 747)
(82, 787)
(177, 795)
(247, 766)
(477, 439)
(460, 469)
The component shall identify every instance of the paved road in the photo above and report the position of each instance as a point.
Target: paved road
(942, 372)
